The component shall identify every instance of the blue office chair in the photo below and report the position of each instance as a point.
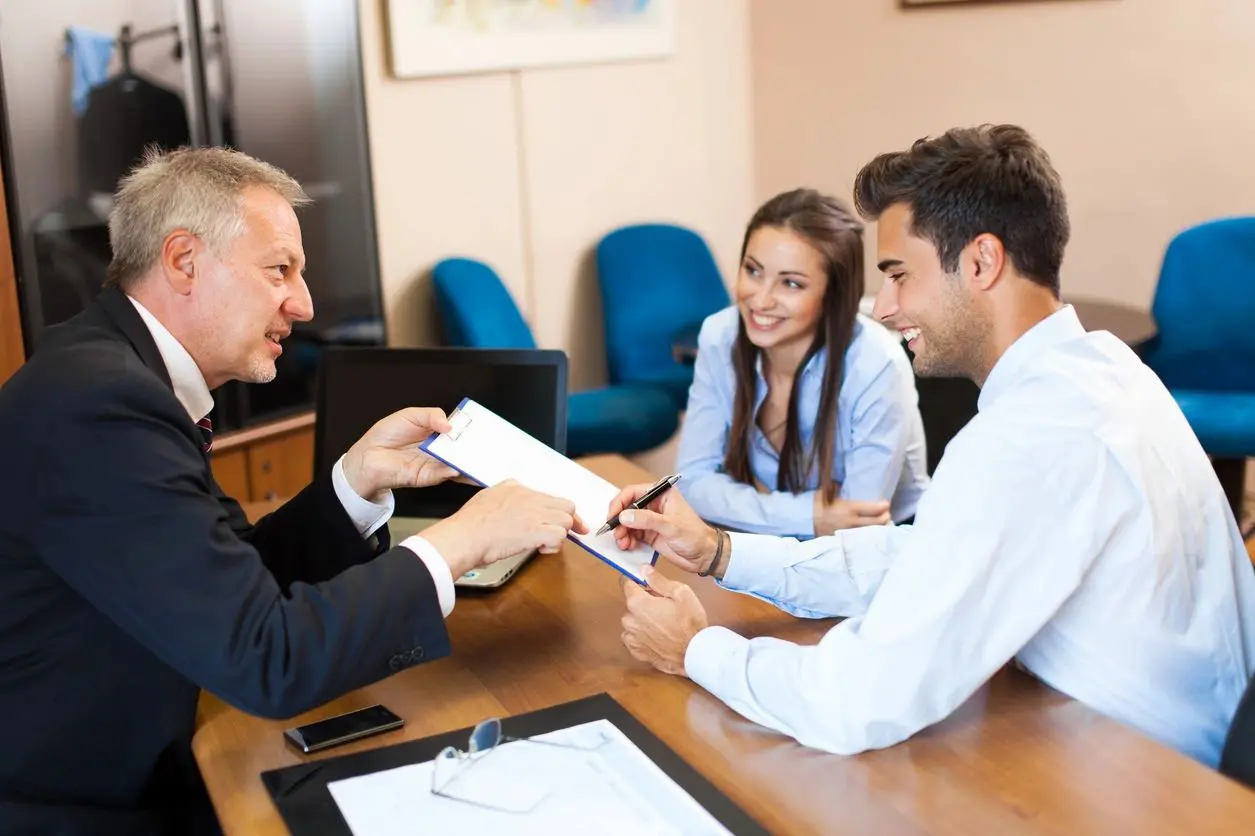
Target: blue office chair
(658, 282)
(477, 311)
(1205, 349)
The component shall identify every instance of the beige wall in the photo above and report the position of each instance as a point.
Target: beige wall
(527, 170)
(1145, 106)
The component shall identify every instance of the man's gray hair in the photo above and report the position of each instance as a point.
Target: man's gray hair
(197, 189)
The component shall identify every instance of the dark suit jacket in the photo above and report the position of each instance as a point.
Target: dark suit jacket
(128, 582)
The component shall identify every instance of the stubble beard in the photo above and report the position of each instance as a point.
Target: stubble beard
(261, 369)
(952, 349)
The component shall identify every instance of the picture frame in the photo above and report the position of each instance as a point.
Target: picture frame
(916, 3)
(455, 37)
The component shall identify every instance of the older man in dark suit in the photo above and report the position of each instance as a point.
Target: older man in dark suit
(129, 581)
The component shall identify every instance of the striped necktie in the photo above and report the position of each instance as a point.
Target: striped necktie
(207, 433)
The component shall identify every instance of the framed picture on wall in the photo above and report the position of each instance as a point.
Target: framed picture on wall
(455, 37)
(953, 2)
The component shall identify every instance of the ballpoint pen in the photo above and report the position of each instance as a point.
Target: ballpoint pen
(659, 488)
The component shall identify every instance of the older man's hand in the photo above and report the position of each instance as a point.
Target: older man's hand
(387, 456)
(504, 520)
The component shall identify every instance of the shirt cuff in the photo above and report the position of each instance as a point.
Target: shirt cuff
(437, 568)
(366, 515)
(751, 555)
(706, 654)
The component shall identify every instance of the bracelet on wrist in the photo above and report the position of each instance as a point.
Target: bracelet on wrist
(714, 561)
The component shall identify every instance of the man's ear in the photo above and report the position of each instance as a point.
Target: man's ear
(179, 250)
(987, 257)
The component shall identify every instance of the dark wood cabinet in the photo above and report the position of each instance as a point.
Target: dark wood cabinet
(12, 354)
(231, 471)
(268, 462)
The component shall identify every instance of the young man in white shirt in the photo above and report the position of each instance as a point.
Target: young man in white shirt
(1074, 525)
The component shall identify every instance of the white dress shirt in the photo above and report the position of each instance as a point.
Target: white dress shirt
(192, 391)
(1075, 525)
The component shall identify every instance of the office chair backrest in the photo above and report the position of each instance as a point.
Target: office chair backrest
(656, 280)
(476, 309)
(1238, 759)
(1204, 306)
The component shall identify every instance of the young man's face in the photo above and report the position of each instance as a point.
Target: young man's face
(932, 309)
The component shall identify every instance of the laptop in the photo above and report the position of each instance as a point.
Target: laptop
(359, 385)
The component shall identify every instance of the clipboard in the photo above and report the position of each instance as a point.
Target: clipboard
(301, 796)
(487, 449)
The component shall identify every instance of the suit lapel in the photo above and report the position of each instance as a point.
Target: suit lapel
(123, 315)
(119, 310)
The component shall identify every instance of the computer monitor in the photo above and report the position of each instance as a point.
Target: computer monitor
(358, 386)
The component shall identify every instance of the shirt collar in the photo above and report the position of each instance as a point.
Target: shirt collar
(1060, 327)
(817, 361)
(811, 365)
(189, 384)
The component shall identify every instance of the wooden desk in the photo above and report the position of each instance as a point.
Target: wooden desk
(1017, 757)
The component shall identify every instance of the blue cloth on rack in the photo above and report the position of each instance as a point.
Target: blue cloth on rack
(91, 52)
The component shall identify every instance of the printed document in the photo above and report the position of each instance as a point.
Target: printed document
(602, 784)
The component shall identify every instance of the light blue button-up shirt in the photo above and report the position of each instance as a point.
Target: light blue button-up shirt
(879, 451)
(1075, 525)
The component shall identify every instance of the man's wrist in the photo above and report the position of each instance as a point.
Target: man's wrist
(437, 567)
(715, 561)
(367, 515)
(457, 549)
(354, 473)
(725, 555)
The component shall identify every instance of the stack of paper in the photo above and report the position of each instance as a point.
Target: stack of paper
(606, 786)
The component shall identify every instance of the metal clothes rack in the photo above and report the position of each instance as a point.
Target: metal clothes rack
(128, 38)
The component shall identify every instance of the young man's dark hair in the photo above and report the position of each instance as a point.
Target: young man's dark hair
(991, 179)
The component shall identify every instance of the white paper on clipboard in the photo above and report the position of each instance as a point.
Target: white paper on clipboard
(485, 447)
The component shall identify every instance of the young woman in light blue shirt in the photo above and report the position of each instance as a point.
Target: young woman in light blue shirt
(777, 439)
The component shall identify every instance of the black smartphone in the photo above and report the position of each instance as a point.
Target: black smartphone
(342, 728)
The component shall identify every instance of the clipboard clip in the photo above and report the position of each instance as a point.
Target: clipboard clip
(459, 421)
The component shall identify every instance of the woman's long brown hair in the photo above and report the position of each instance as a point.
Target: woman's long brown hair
(837, 235)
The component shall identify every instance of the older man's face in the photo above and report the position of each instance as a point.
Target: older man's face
(253, 293)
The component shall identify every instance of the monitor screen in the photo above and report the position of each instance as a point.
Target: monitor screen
(358, 386)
